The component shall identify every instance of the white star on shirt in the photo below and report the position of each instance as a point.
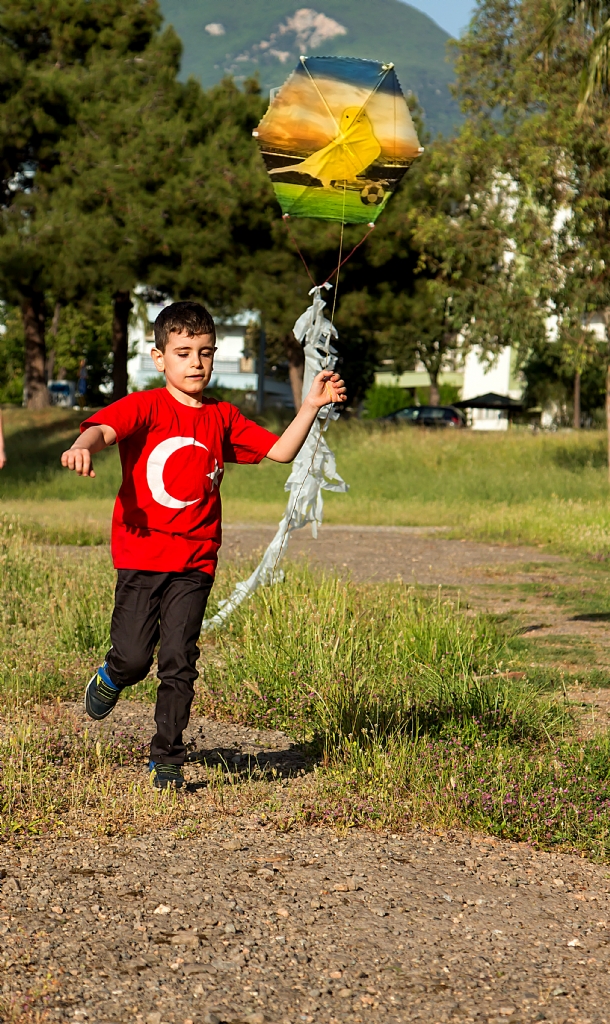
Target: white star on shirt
(216, 475)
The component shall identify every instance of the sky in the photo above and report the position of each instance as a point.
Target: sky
(452, 15)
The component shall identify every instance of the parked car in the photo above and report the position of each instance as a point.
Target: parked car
(428, 416)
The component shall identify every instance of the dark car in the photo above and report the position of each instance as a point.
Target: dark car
(428, 416)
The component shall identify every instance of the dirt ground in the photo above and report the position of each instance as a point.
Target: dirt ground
(247, 925)
(371, 554)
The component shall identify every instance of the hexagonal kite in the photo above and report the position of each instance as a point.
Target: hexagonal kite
(337, 139)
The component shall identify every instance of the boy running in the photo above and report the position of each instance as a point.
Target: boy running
(166, 527)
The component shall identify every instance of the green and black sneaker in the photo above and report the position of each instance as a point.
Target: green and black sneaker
(166, 776)
(101, 694)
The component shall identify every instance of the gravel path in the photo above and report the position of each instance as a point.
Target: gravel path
(247, 925)
(375, 553)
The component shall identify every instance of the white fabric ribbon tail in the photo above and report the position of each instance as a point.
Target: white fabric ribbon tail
(313, 471)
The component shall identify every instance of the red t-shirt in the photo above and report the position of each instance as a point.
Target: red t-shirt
(167, 516)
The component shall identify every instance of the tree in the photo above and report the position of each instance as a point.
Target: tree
(437, 281)
(556, 160)
(592, 17)
(66, 65)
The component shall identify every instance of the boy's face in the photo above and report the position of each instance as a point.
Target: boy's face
(187, 362)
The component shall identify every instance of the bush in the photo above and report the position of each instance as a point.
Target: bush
(380, 400)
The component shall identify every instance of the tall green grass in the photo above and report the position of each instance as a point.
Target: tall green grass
(345, 663)
(407, 702)
(549, 489)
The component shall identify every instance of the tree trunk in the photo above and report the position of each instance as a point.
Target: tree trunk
(36, 391)
(122, 305)
(577, 400)
(50, 365)
(296, 367)
(435, 398)
(608, 413)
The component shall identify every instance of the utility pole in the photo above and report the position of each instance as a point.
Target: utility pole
(262, 347)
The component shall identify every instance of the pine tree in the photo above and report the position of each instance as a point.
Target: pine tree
(63, 63)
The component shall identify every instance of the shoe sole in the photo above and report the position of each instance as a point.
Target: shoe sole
(88, 709)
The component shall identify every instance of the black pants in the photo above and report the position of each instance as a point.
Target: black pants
(165, 606)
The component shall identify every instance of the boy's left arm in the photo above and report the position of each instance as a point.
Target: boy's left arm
(327, 388)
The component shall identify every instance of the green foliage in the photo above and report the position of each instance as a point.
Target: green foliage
(549, 379)
(84, 332)
(381, 401)
(12, 356)
(550, 162)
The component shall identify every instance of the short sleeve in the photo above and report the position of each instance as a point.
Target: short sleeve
(125, 417)
(244, 440)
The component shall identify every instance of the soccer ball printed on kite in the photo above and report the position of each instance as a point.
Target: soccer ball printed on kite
(336, 140)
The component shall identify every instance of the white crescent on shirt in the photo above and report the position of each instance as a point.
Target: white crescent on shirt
(156, 464)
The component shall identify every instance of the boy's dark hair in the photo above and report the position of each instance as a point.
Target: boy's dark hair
(189, 317)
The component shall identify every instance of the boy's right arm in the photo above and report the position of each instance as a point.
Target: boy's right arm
(93, 439)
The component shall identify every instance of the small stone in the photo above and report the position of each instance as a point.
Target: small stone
(341, 887)
(282, 912)
(57, 910)
(211, 1018)
(559, 991)
(162, 909)
(194, 969)
(344, 993)
(574, 942)
(235, 844)
(265, 873)
(185, 938)
(379, 911)
(335, 974)
(229, 928)
(558, 881)
(507, 1011)
(153, 1018)
(355, 882)
(255, 1018)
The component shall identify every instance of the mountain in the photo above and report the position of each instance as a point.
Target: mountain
(241, 37)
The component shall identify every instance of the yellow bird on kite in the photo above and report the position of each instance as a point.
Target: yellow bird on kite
(337, 139)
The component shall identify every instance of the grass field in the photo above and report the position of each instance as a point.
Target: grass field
(549, 490)
(417, 711)
(413, 708)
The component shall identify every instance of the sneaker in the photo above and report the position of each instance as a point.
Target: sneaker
(101, 695)
(166, 776)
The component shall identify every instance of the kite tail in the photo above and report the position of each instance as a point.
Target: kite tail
(314, 469)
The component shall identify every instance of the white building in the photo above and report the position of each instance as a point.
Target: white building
(233, 369)
(498, 377)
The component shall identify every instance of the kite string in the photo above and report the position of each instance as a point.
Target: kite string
(285, 218)
(349, 256)
(371, 226)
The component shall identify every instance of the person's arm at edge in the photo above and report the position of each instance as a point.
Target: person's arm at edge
(327, 388)
(2, 452)
(92, 440)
